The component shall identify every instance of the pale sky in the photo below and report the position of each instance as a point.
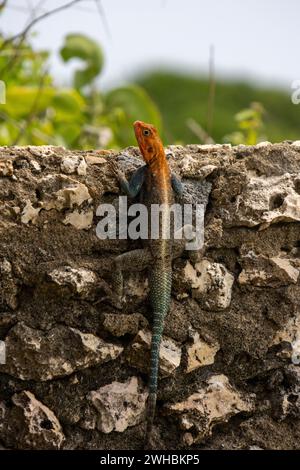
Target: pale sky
(256, 39)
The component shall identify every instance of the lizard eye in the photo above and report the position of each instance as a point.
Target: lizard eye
(146, 132)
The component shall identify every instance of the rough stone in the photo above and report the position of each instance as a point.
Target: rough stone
(265, 201)
(211, 284)
(30, 213)
(78, 281)
(74, 163)
(8, 286)
(119, 405)
(191, 166)
(290, 334)
(267, 272)
(68, 197)
(138, 354)
(122, 324)
(214, 403)
(6, 168)
(2, 353)
(48, 222)
(36, 355)
(38, 427)
(35, 166)
(80, 220)
(200, 352)
(285, 393)
(62, 192)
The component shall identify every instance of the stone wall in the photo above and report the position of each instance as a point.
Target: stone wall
(76, 368)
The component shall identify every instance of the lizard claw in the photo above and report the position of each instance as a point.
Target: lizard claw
(116, 302)
(115, 170)
(112, 165)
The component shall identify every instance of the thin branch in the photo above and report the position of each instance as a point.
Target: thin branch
(30, 7)
(102, 14)
(15, 7)
(34, 10)
(39, 134)
(10, 53)
(35, 20)
(212, 90)
(199, 132)
(32, 112)
(3, 4)
(37, 8)
(22, 35)
(84, 9)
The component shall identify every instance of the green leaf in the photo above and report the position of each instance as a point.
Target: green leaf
(126, 105)
(69, 105)
(21, 99)
(81, 47)
(244, 114)
(69, 131)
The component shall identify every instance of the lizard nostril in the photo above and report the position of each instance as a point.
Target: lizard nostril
(150, 149)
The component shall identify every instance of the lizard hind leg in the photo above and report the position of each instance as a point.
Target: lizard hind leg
(186, 240)
(135, 260)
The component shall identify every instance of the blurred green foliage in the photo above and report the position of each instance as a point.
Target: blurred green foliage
(250, 126)
(84, 48)
(182, 97)
(39, 112)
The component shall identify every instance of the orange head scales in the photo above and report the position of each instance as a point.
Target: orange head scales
(150, 144)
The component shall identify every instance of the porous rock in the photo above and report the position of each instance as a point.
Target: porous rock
(289, 337)
(8, 285)
(74, 163)
(48, 221)
(30, 213)
(37, 355)
(214, 403)
(119, 405)
(78, 281)
(265, 200)
(211, 284)
(138, 354)
(123, 324)
(200, 352)
(38, 427)
(81, 220)
(6, 167)
(267, 272)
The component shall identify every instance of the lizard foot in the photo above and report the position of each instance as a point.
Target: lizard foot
(109, 296)
(111, 299)
(119, 174)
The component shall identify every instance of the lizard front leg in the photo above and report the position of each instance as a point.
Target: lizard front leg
(137, 258)
(132, 187)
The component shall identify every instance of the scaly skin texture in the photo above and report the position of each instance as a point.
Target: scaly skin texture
(158, 190)
(155, 185)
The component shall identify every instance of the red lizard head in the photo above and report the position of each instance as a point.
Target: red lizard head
(149, 142)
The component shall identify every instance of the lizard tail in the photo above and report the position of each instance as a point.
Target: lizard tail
(160, 294)
(154, 365)
(150, 417)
